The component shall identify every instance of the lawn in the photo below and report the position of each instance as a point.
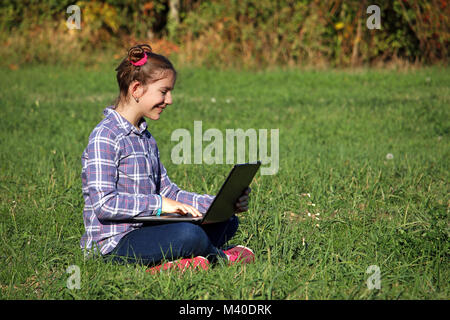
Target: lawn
(362, 181)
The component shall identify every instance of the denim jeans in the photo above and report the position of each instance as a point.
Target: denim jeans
(170, 241)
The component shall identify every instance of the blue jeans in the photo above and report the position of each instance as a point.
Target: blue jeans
(151, 244)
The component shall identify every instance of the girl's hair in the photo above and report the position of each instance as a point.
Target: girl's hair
(156, 68)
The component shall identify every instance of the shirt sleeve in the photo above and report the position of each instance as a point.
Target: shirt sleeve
(101, 167)
(172, 191)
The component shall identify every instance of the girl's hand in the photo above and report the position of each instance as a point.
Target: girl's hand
(242, 203)
(172, 206)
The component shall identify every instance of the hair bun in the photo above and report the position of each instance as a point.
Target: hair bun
(136, 53)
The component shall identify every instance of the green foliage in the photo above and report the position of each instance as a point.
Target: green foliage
(36, 31)
(30, 13)
(131, 15)
(266, 32)
(251, 33)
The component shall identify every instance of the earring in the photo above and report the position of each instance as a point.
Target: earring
(137, 99)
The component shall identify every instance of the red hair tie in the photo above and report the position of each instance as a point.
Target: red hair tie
(140, 62)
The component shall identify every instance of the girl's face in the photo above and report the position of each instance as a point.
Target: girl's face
(157, 97)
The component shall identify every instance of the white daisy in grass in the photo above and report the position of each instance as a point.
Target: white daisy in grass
(306, 195)
(389, 156)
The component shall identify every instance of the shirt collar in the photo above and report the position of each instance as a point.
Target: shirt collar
(123, 123)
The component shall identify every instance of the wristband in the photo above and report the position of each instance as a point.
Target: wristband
(158, 213)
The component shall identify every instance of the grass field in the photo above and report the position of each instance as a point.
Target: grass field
(336, 129)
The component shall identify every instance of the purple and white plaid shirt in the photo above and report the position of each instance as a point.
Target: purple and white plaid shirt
(122, 177)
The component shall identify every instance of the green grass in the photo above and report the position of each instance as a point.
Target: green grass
(336, 129)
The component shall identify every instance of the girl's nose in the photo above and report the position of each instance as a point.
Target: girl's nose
(168, 98)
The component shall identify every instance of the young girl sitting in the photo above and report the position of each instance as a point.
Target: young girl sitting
(123, 177)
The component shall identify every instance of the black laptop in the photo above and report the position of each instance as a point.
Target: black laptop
(223, 206)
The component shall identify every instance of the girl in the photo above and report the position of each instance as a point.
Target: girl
(123, 177)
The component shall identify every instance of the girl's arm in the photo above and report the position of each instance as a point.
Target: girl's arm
(172, 191)
(100, 175)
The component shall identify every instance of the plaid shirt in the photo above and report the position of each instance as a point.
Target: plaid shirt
(122, 177)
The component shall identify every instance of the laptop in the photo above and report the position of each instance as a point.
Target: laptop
(222, 208)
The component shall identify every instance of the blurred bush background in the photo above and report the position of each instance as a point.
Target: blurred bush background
(228, 33)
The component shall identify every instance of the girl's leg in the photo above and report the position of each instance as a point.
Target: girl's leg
(221, 233)
(151, 244)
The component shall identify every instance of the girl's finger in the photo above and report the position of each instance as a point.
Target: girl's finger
(186, 209)
(242, 209)
(243, 198)
(243, 203)
(193, 211)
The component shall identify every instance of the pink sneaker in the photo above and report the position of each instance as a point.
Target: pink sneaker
(240, 254)
(182, 265)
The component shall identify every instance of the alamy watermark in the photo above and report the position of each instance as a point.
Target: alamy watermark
(74, 281)
(374, 281)
(74, 20)
(234, 142)
(374, 21)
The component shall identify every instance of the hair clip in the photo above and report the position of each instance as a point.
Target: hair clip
(140, 62)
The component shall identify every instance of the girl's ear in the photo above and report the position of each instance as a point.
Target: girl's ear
(136, 89)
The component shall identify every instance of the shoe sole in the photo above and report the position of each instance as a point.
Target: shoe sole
(173, 265)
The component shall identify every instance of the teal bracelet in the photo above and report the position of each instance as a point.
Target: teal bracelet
(158, 213)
